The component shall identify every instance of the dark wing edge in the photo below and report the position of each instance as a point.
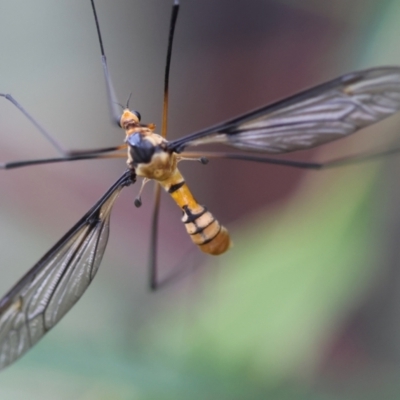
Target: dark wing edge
(55, 283)
(315, 116)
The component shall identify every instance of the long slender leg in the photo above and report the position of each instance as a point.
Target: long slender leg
(72, 153)
(26, 163)
(190, 261)
(45, 133)
(153, 273)
(337, 162)
(112, 98)
(174, 16)
(181, 268)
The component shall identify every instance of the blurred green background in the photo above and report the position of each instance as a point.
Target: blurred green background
(305, 305)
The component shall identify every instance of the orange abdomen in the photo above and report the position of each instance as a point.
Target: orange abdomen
(204, 230)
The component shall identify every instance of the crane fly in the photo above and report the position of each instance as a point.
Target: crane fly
(319, 115)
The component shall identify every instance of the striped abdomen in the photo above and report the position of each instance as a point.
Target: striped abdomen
(204, 230)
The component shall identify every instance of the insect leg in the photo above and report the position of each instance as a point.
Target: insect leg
(190, 261)
(98, 151)
(45, 133)
(112, 98)
(55, 143)
(26, 163)
(174, 16)
(154, 284)
(201, 160)
(337, 162)
(153, 275)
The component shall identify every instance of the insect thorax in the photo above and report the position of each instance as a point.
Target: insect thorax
(148, 155)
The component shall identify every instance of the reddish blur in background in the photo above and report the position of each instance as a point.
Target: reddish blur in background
(306, 303)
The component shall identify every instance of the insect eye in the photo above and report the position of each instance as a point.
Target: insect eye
(141, 150)
(137, 113)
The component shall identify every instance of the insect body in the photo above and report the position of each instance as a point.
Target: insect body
(327, 112)
(149, 157)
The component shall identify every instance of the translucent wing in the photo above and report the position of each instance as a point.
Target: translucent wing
(318, 115)
(45, 294)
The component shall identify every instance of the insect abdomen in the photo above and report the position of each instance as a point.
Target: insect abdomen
(205, 231)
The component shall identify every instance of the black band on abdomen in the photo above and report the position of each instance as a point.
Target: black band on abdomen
(174, 188)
